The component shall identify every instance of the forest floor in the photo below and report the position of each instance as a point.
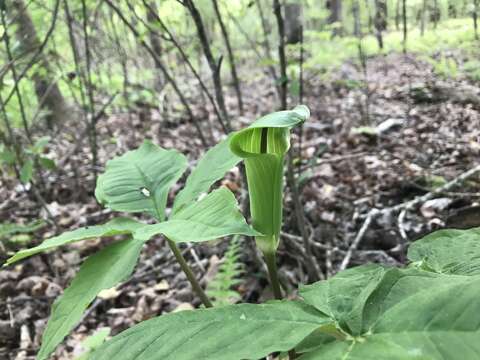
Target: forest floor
(417, 133)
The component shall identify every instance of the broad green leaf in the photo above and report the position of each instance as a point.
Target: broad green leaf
(263, 145)
(115, 226)
(211, 167)
(410, 345)
(100, 271)
(356, 298)
(323, 335)
(448, 303)
(234, 332)
(344, 296)
(217, 215)
(140, 180)
(26, 172)
(409, 312)
(448, 251)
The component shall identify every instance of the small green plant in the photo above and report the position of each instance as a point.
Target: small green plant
(229, 272)
(427, 310)
(263, 146)
(13, 235)
(444, 67)
(26, 158)
(349, 84)
(472, 69)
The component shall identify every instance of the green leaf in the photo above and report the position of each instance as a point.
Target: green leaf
(40, 144)
(263, 145)
(449, 251)
(211, 167)
(100, 271)
(435, 345)
(93, 341)
(8, 157)
(233, 332)
(215, 216)
(115, 226)
(140, 180)
(26, 172)
(227, 276)
(401, 314)
(47, 163)
(10, 228)
(344, 297)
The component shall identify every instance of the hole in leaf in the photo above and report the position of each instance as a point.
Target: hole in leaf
(145, 191)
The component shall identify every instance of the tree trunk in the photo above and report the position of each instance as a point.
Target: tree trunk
(277, 8)
(156, 45)
(422, 17)
(335, 17)
(404, 18)
(452, 10)
(369, 16)
(231, 59)
(380, 20)
(46, 87)
(475, 18)
(293, 23)
(397, 14)
(357, 28)
(435, 14)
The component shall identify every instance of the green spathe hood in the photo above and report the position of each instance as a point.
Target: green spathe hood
(263, 146)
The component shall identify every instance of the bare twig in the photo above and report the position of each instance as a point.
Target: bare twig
(162, 67)
(16, 79)
(361, 233)
(213, 65)
(313, 270)
(408, 205)
(231, 59)
(189, 64)
(334, 159)
(401, 226)
(266, 45)
(89, 87)
(40, 49)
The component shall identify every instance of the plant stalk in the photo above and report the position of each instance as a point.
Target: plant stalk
(189, 274)
(271, 261)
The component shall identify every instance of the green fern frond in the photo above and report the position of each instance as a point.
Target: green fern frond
(220, 288)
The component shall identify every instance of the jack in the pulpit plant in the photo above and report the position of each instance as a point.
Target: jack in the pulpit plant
(263, 146)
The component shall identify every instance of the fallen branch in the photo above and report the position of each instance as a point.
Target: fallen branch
(404, 207)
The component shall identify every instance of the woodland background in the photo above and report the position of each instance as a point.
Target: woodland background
(391, 151)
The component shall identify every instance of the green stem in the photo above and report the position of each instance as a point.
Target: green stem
(271, 261)
(189, 274)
